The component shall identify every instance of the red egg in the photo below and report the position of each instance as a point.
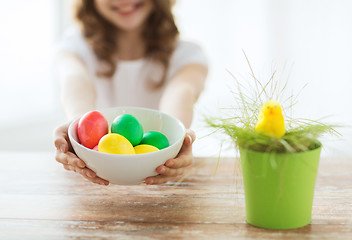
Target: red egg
(91, 127)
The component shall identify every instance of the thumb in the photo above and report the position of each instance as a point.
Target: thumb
(190, 136)
(60, 138)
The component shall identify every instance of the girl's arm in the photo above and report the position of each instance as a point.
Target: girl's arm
(178, 100)
(183, 91)
(78, 94)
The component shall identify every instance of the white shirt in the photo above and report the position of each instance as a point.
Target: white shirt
(128, 85)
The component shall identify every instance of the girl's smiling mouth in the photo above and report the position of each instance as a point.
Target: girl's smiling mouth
(128, 8)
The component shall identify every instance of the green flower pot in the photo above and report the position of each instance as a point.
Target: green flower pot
(279, 188)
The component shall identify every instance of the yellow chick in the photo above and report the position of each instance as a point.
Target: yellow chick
(271, 120)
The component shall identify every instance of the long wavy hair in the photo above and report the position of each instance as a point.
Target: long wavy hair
(159, 35)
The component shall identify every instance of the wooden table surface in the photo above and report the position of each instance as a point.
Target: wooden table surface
(40, 200)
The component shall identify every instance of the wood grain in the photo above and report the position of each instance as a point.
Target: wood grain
(40, 200)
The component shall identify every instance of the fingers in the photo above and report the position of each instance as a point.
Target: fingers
(170, 172)
(82, 170)
(176, 167)
(181, 161)
(166, 175)
(160, 179)
(98, 180)
(185, 157)
(69, 158)
(61, 138)
(87, 174)
(190, 134)
(72, 163)
(91, 176)
(61, 143)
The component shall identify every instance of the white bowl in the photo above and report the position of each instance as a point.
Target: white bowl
(132, 169)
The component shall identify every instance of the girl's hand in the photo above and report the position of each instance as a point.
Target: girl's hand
(174, 168)
(64, 154)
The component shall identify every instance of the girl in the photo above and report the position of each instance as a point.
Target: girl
(127, 53)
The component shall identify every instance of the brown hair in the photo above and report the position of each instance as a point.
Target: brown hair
(159, 35)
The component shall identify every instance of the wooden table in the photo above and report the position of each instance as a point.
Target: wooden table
(40, 200)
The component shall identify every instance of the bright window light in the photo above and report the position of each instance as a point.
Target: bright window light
(26, 83)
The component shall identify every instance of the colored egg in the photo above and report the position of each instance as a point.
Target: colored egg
(92, 126)
(95, 148)
(116, 144)
(156, 139)
(144, 148)
(129, 127)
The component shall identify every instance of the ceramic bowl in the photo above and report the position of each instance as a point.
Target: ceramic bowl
(131, 169)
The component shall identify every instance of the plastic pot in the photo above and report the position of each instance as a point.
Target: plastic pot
(279, 188)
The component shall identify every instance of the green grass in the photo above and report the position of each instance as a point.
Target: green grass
(304, 137)
(301, 134)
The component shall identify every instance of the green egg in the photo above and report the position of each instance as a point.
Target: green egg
(155, 139)
(129, 127)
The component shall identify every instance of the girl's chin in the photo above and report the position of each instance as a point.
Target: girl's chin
(128, 27)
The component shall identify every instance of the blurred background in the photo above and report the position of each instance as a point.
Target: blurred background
(312, 37)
